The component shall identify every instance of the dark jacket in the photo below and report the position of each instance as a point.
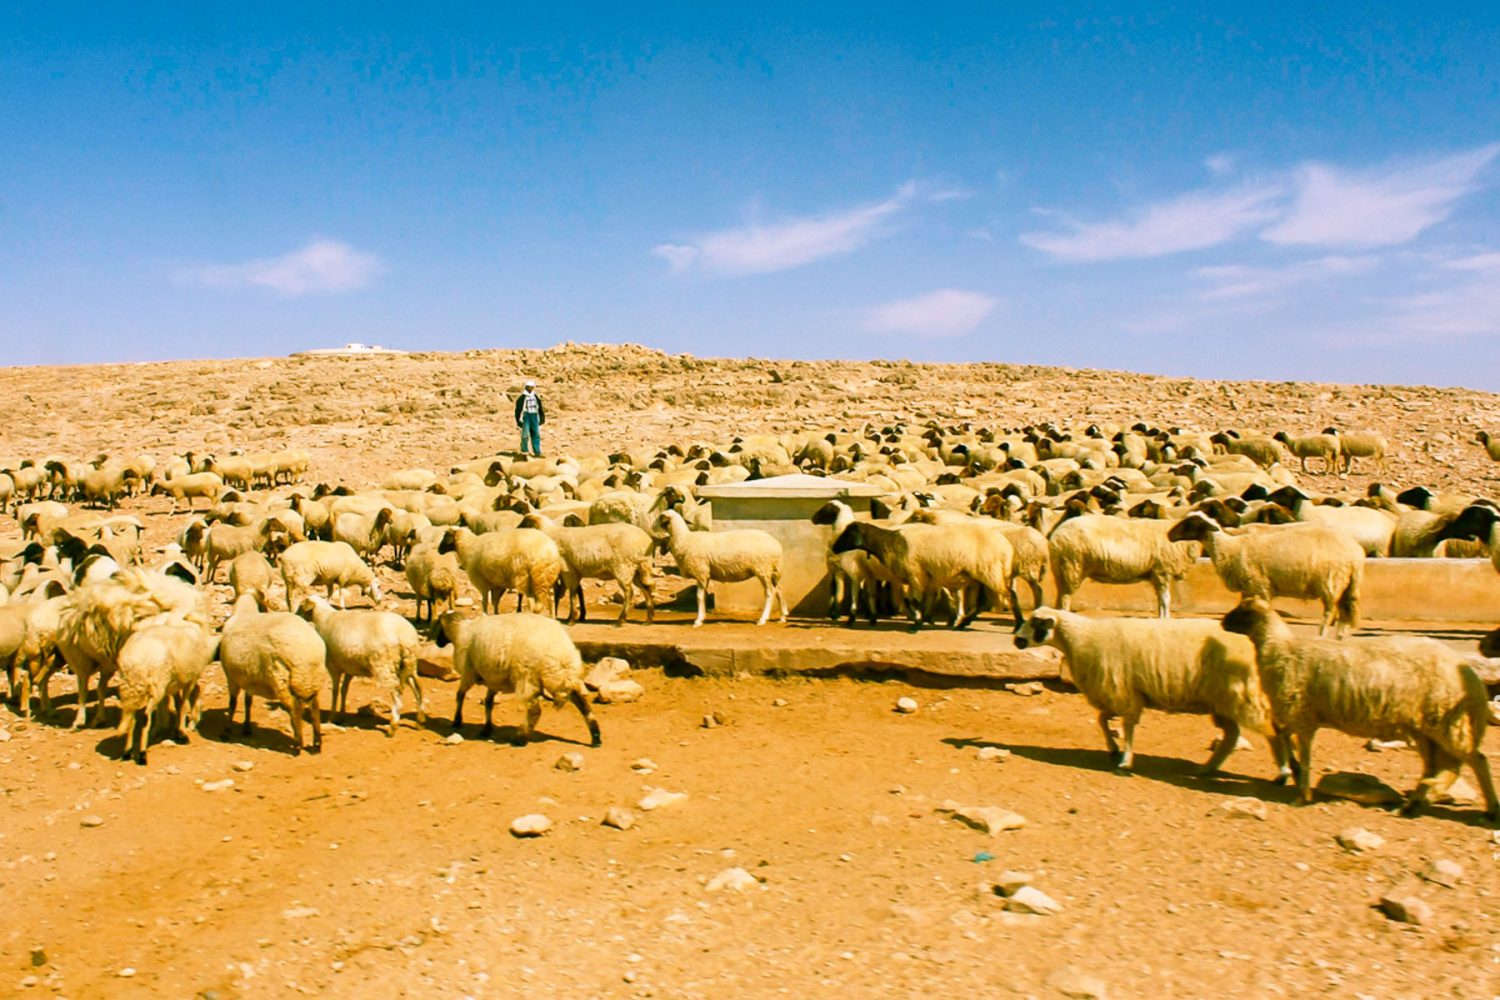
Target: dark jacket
(541, 411)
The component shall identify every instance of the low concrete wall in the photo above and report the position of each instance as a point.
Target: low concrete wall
(1420, 590)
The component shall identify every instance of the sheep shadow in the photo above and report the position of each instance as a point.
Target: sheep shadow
(504, 734)
(272, 729)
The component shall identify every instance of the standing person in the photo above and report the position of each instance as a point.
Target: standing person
(530, 416)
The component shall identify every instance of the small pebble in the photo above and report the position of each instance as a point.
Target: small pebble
(532, 825)
(619, 818)
(572, 761)
(454, 739)
(91, 821)
(906, 706)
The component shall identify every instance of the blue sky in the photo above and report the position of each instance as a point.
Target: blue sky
(1194, 191)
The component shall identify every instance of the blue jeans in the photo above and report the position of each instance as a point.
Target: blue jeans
(531, 434)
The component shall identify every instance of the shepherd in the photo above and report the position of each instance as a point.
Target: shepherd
(530, 416)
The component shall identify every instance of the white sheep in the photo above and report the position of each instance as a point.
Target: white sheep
(277, 656)
(855, 573)
(1307, 560)
(1372, 528)
(1385, 687)
(1324, 446)
(1360, 444)
(1030, 545)
(190, 487)
(521, 559)
(365, 533)
(331, 564)
(433, 577)
(1126, 665)
(379, 645)
(725, 556)
(618, 552)
(250, 573)
(159, 662)
(530, 656)
(1117, 550)
(222, 542)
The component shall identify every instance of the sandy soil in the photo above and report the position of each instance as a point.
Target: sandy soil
(384, 867)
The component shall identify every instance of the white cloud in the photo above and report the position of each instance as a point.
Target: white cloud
(1192, 221)
(947, 312)
(1238, 281)
(1219, 163)
(322, 266)
(1469, 307)
(1381, 206)
(757, 248)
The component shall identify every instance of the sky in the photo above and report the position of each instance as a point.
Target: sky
(1219, 191)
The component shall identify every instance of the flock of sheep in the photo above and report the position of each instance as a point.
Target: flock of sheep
(966, 516)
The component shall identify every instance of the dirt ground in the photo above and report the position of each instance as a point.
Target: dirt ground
(384, 867)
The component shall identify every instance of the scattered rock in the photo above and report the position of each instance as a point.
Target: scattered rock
(993, 753)
(453, 739)
(1406, 908)
(733, 879)
(906, 706)
(607, 671)
(530, 825)
(778, 703)
(299, 913)
(38, 957)
(126, 973)
(1026, 689)
(571, 761)
(989, 819)
(1362, 788)
(619, 692)
(1358, 840)
(1459, 793)
(4, 735)
(435, 662)
(1376, 746)
(1077, 984)
(243, 765)
(714, 720)
(1030, 899)
(619, 817)
(657, 798)
(90, 822)
(643, 765)
(223, 785)
(1444, 873)
(1243, 807)
(1009, 883)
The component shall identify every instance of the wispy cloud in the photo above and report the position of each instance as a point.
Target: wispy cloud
(947, 312)
(760, 248)
(1220, 164)
(1238, 281)
(1466, 307)
(1381, 206)
(320, 267)
(1192, 221)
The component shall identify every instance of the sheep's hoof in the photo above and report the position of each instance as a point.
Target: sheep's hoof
(1281, 779)
(485, 732)
(518, 741)
(297, 750)
(180, 736)
(140, 760)
(1411, 807)
(316, 748)
(247, 729)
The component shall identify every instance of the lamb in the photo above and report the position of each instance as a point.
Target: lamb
(1324, 446)
(379, 645)
(726, 556)
(207, 485)
(1117, 550)
(1360, 444)
(854, 573)
(37, 658)
(1305, 560)
(155, 663)
(530, 656)
(521, 559)
(1382, 687)
(365, 533)
(250, 573)
(618, 552)
(403, 532)
(277, 656)
(433, 577)
(1126, 665)
(330, 564)
(929, 558)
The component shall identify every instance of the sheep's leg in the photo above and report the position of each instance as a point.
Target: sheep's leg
(836, 588)
(83, 697)
(1036, 594)
(770, 591)
(627, 597)
(458, 701)
(528, 731)
(1109, 735)
(1481, 765)
(344, 695)
(294, 708)
(395, 709)
(1229, 738)
(1128, 724)
(489, 714)
(416, 693)
(581, 702)
(1281, 753)
(647, 585)
(1304, 742)
(128, 722)
(141, 734)
(1440, 770)
(314, 714)
(702, 589)
(1163, 597)
(781, 600)
(248, 727)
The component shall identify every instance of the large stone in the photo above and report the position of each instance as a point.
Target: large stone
(1444, 873)
(619, 817)
(1406, 907)
(606, 671)
(992, 820)
(733, 880)
(1459, 793)
(1030, 899)
(659, 798)
(1243, 807)
(531, 825)
(620, 692)
(1358, 840)
(1077, 984)
(1362, 788)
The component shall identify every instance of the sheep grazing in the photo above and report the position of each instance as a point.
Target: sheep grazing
(618, 552)
(1307, 560)
(327, 564)
(1324, 446)
(1126, 665)
(1118, 550)
(379, 645)
(1477, 521)
(1386, 687)
(1372, 528)
(521, 559)
(932, 558)
(159, 662)
(433, 577)
(725, 556)
(277, 656)
(530, 656)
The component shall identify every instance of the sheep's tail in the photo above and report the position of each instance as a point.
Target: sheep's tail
(1349, 603)
(1476, 706)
